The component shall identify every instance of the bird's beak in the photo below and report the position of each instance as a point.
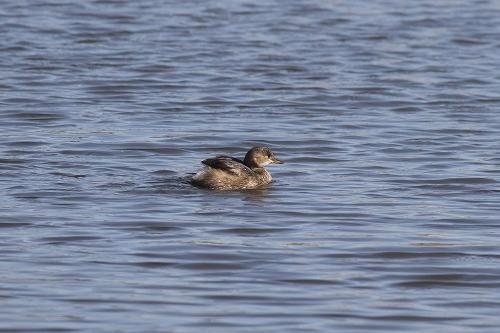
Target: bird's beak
(276, 161)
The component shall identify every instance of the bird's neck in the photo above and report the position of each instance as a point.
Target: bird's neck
(263, 174)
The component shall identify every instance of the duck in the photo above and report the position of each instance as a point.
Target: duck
(226, 173)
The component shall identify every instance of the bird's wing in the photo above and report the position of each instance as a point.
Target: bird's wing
(228, 164)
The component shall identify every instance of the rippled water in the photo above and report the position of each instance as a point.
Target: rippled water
(384, 217)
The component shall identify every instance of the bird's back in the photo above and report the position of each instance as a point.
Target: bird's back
(228, 173)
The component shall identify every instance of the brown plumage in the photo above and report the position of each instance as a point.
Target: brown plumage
(229, 173)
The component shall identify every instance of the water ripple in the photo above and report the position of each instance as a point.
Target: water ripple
(384, 216)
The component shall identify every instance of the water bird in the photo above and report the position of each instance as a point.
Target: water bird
(229, 173)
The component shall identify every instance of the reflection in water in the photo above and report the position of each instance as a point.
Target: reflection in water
(256, 196)
(384, 217)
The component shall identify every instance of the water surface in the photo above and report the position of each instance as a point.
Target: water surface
(384, 218)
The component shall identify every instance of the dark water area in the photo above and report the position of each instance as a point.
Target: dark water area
(384, 217)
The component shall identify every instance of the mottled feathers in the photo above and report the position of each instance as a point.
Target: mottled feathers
(228, 164)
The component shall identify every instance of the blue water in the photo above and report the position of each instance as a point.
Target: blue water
(384, 217)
